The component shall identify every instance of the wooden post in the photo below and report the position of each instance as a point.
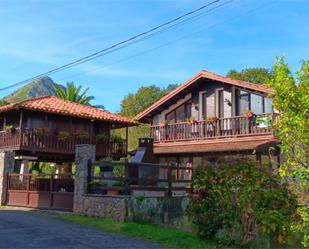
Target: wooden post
(127, 136)
(20, 126)
(126, 177)
(4, 122)
(258, 159)
(169, 179)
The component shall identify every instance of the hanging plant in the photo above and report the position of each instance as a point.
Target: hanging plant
(62, 135)
(40, 132)
(101, 137)
(81, 135)
(211, 120)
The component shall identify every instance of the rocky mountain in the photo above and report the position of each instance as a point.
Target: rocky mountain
(40, 87)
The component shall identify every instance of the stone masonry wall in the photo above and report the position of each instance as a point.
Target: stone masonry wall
(7, 162)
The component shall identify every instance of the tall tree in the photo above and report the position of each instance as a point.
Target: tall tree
(73, 93)
(255, 75)
(291, 99)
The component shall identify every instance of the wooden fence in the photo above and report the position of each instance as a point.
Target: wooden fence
(114, 178)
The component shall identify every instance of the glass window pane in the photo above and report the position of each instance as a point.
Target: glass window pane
(243, 102)
(256, 103)
(170, 118)
(268, 105)
(188, 110)
(180, 113)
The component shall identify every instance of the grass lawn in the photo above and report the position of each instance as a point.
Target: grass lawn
(165, 236)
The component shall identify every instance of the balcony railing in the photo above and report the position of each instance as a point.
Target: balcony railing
(261, 124)
(29, 140)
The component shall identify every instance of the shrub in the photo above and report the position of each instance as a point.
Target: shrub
(239, 202)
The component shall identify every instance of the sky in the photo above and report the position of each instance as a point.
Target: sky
(37, 36)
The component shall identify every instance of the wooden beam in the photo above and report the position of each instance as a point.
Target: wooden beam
(21, 116)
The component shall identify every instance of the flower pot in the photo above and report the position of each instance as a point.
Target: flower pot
(113, 191)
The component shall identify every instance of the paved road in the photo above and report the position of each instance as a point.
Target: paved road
(24, 229)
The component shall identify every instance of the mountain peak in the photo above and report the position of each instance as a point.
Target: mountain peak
(39, 87)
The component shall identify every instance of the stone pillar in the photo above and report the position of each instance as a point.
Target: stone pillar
(7, 162)
(84, 153)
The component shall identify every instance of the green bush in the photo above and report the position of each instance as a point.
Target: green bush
(238, 203)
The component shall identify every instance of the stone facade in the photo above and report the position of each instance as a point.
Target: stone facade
(84, 154)
(7, 162)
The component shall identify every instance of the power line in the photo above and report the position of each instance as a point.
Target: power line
(112, 47)
(175, 40)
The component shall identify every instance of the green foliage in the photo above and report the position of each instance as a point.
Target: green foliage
(292, 102)
(135, 103)
(169, 237)
(145, 96)
(240, 202)
(254, 75)
(3, 102)
(73, 93)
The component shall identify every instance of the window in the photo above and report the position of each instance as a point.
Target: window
(204, 105)
(268, 105)
(179, 114)
(256, 103)
(220, 103)
(242, 102)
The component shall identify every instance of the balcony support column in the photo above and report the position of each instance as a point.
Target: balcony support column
(127, 136)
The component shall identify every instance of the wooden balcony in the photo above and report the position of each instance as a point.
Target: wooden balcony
(28, 140)
(237, 126)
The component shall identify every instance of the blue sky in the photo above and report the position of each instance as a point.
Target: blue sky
(39, 35)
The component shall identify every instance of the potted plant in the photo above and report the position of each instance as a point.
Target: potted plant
(81, 135)
(63, 135)
(191, 120)
(101, 137)
(9, 128)
(40, 132)
(211, 120)
(163, 124)
(115, 190)
(98, 187)
(248, 114)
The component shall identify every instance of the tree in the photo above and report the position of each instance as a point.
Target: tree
(255, 75)
(3, 102)
(73, 93)
(134, 103)
(291, 99)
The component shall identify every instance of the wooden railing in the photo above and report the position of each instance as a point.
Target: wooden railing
(29, 140)
(168, 180)
(41, 182)
(220, 128)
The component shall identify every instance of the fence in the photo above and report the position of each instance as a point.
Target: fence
(41, 190)
(111, 178)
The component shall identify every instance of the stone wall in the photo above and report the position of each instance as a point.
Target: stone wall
(158, 210)
(7, 162)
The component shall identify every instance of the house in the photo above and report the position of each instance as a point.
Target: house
(47, 129)
(212, 117)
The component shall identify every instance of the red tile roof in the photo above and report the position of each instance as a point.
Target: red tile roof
(207, 75)
(52, 104)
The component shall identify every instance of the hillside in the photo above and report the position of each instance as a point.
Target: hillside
(40, 87)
